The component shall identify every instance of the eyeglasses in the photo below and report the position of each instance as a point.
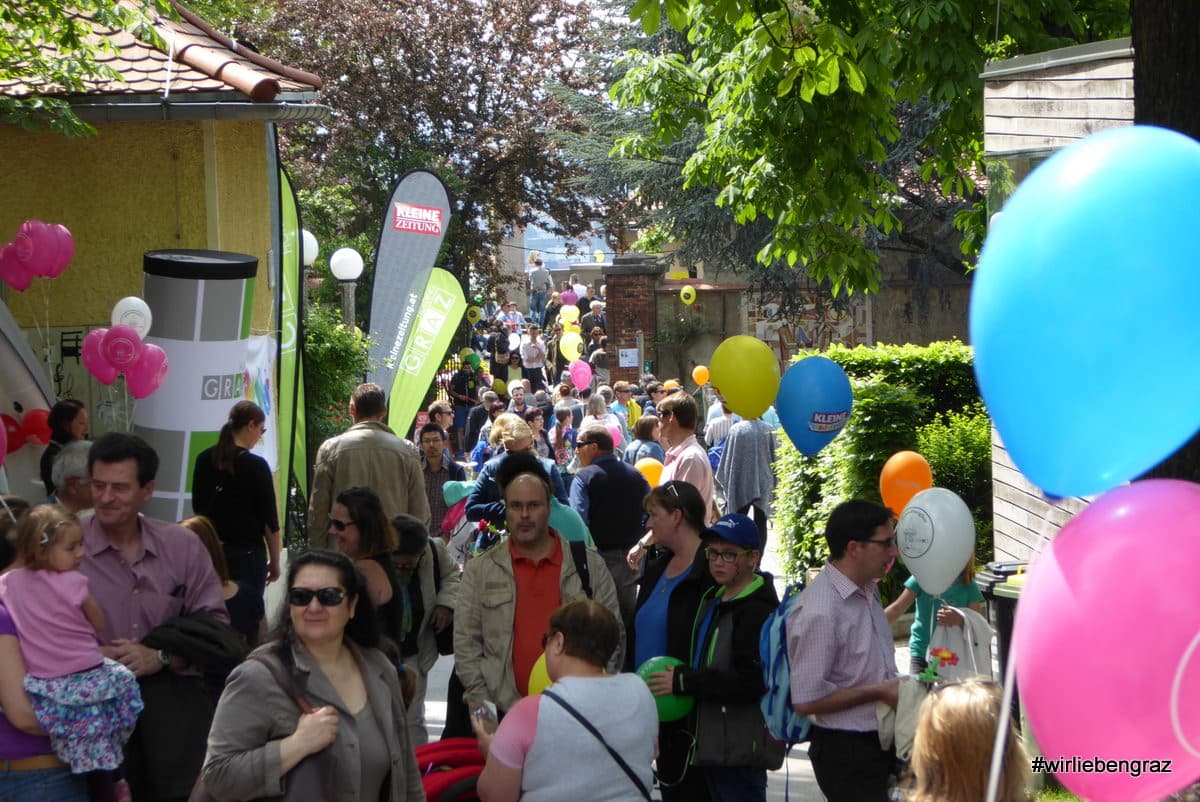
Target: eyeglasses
(887, 544)
(582, 443)
(326, 597)
(724, 556)
(340, 525)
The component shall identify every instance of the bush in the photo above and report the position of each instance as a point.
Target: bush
(905, 398)
(335, 361)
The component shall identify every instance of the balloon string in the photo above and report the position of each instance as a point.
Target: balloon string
(1010, 675)
(46, 340)
(7, 509)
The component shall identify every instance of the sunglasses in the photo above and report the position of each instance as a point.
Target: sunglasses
(327, 597)
(340, 525)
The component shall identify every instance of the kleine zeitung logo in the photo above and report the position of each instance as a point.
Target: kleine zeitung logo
(417, 219)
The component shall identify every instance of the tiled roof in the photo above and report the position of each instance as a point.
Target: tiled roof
(202, 64)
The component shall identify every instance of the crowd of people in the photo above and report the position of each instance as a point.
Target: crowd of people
(551, 540)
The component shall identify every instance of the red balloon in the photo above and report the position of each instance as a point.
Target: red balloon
(14, 435)
(36, 425)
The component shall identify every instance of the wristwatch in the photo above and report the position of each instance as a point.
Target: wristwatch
(164, 658)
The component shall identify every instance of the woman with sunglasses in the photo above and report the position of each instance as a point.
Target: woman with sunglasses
(675, 582)
(351, 741)
(359, 529)
(724, 673)
(541, 735)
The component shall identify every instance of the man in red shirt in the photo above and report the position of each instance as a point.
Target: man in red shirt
(508, 593)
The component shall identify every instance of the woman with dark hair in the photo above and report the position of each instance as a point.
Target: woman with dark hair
(235, 490)
(359, 529)
(68, 422)
(672, 589)
(318, 712)
(645, 440)
(536, 419)
(245, 605)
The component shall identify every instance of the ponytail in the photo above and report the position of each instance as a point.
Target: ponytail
(241, 415)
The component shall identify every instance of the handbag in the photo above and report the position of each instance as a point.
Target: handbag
(445, 638)
(641, 786)
(306, 780)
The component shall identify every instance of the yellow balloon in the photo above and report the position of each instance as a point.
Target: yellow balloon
(700, 375)
(598, 256)
(688, 294)
(568, 314)
(570, 345)
(650, 468)
(464, 353)
(539, 677)
(745, 372)
(473, 314)
(571, 327)
(500, 387)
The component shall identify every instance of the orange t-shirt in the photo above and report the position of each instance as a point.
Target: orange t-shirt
(538, 595)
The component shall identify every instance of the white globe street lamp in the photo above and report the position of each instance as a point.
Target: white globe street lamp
(346, 265)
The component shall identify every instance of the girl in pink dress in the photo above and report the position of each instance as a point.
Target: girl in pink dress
(86, 703)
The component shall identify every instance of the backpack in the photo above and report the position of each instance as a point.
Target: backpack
(781, 719)
(714, 456)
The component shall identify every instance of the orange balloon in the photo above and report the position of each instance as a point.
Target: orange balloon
(650, 468)
(905, 474)
(700, 375)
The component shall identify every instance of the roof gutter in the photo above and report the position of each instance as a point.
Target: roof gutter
(281, 112)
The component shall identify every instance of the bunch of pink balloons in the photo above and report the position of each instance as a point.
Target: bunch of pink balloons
(108, 353)
(38, 249)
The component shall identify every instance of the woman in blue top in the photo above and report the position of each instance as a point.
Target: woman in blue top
(963, 593)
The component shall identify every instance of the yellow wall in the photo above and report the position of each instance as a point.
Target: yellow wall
(131, 188)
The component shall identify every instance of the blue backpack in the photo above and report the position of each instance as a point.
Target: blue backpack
(781, 719)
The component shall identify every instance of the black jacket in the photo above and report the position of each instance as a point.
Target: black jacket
(681, 609)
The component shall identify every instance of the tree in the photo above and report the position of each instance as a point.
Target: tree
(455, 86)
(801, 109)
(48, 48)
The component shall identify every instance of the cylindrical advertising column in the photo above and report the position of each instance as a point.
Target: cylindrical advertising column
(201, 302)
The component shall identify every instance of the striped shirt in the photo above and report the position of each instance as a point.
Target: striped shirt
(838, 637)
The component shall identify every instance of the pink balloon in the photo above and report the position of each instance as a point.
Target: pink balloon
(569, 298)
(148, 373)
(1117, 573)
(615, 431)
(65, 251)
(121, 346)
(93, 357)
(581, 374)
(12, 269)
(37, 247)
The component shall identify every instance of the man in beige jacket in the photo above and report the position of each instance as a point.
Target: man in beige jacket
(508, 593)
(368, 454)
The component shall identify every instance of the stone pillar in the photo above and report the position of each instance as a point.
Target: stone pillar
(632, 308)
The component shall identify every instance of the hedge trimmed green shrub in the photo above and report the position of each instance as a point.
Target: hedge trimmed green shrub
(905, 398)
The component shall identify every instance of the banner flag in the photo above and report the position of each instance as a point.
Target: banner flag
(293, 451)
(414, 226)
(434, 324)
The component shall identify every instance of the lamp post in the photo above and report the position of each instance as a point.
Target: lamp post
(347, 265)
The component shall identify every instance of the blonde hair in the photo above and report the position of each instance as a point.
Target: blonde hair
(38, 530)
(500, 425)
(952, 751)
(515, 431)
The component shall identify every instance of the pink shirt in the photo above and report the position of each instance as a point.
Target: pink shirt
(838, 637)
(171, 575)
(688, 462)
(56, 637)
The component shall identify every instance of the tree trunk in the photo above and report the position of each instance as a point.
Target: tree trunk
(1166, 83)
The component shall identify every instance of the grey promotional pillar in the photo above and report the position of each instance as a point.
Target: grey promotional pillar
(202, 303)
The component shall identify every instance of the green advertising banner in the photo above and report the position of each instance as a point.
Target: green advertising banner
(438, 316)
(293, 456)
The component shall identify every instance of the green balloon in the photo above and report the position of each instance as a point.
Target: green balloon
(670, 707)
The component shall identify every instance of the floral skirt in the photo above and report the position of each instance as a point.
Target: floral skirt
(89, 715)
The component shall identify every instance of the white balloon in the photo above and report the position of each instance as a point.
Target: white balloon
(936, 538)
(133, 311)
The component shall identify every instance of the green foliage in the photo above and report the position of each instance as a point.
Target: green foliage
(335, 360)
(48, 45)
(901, 395)
(958, 448)
(941, 373)
(800, 104)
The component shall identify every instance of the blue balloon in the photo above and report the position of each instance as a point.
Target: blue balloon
(814, 403)
(1084, 311)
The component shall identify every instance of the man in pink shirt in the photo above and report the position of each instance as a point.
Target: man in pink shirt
(842, 658)
(143, 572)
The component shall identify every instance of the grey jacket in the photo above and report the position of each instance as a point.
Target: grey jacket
(427, 653)
(483, 620)
(255, 714)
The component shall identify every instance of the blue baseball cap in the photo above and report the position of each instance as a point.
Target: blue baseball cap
(736, 529)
